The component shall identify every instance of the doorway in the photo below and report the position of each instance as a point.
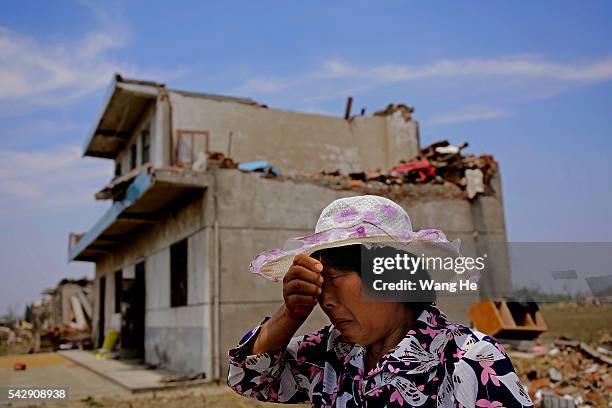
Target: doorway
(133, 314)
(101, 301)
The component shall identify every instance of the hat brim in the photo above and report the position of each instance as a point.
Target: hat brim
(274, 264)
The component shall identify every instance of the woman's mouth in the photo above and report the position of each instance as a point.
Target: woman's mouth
(341, 323)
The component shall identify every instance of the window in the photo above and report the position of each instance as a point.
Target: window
(189, 145)
(118, 290)
(133, 157)
(145, 146)
(178, 274)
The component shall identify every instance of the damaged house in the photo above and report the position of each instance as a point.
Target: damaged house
(172, 252)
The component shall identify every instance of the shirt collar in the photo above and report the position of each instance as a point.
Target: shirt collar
(428, 325)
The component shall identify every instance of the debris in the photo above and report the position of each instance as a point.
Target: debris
(118, 186)
(540, 383)
(63, 316)
(19, 366)
(523, 355)
(79, 315)
(555, 401)
(450, 149)
(85, 304)
(475, 182)
(594, 354)
(405, 110)
(509, 320)
(554, 374)
(201, 162)
(347, 109)
(259, 166)
(572, 373)
(357, 184)
(430, 167)
(217, 159)
(406, 168)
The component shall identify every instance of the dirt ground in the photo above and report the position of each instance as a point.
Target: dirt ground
(583, 323)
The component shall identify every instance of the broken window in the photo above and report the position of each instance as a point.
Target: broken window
(178, 273)
(118, 290)
(133, 157)
(145, 146)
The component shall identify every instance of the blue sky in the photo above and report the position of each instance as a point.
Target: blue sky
(529, 82)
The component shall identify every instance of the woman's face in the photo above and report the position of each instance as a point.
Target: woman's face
(359, 321)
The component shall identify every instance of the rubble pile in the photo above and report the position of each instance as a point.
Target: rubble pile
(405, 111)
(63, 318)
(440, 163)
(15, 337)
(568, 373)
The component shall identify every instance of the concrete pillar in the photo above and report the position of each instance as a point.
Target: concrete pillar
(402, 138)
(490, 238)
(161, 154)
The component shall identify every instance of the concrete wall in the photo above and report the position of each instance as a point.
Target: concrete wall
(147, 122)
(294, 141)
(178, 338)
(258, 214)
(255, 214)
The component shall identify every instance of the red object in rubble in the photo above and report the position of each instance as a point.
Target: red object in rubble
(410, 166)
(425, 174)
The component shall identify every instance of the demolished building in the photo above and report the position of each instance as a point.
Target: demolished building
(172, 252)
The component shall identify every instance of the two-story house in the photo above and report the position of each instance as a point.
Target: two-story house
(172, 251)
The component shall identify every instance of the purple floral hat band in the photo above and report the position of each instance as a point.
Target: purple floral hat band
(347, 221)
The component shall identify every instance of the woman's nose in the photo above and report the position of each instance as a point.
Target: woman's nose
(327, 298)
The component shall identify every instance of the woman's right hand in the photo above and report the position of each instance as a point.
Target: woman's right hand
(302, 287)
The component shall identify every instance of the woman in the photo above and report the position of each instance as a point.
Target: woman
(376, 354)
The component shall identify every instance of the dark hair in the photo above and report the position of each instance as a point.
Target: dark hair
(348, 258)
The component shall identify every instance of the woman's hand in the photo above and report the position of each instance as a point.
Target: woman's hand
(302, 287)
(301, 290)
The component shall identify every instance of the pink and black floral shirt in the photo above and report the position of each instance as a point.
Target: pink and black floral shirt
(437, 364)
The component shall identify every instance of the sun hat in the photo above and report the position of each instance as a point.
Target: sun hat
(348, 221)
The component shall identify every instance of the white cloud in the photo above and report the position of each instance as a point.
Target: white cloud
(520, 66)
(35, 72)
(29, 69)
(469, 114)
(499, 80)
(45, 179)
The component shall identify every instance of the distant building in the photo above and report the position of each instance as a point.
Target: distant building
(172, 252)
(57, 307)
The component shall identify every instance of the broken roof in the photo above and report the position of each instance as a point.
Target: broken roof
(126, 100)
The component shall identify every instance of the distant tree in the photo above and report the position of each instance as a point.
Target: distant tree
(28, 313)
(11, 314)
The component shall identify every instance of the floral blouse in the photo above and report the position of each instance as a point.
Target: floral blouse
(437, 364)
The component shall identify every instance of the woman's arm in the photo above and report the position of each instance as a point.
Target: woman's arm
(276, 332)
(272, 365)
(301, 290)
